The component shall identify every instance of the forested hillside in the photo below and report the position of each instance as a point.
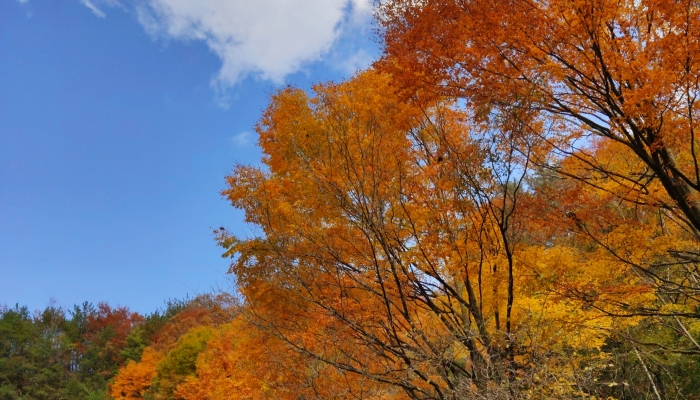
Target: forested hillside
(505, 206)
(75, 354)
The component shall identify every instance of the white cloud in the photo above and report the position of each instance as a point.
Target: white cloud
(268, 39)
(241, 140)
(23, 1)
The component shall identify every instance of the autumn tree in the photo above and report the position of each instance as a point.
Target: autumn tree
(170, 342)
(394, 244)
(608, 76)
(616, 82)
(241, 361)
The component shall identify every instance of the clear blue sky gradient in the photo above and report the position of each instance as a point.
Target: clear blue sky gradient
(113, 153)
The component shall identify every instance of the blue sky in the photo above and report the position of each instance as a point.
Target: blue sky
(119, 121)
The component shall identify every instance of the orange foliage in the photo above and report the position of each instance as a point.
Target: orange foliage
(173, 351)
(511, 190)
(134, 379)
(398, 248)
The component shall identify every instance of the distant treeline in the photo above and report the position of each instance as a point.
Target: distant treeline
(74, 353)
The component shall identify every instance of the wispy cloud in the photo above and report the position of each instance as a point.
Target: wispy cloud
(93, 8)
(26, 7)
(356, 62)
(242, 139)
(97, 6)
